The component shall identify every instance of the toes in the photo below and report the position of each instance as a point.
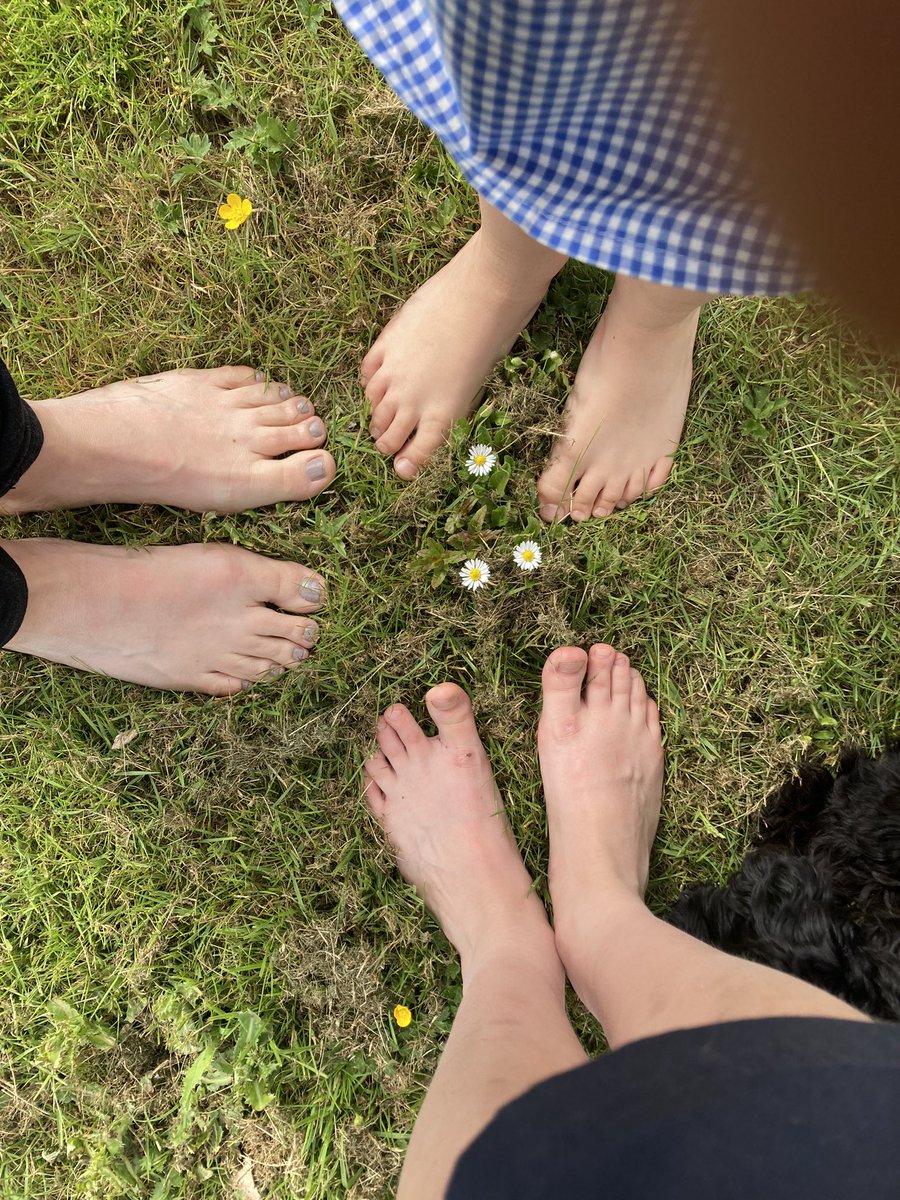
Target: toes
(280, 651)
(304, 435)
(373, 796)
(390, 744)
(406, 726)
(416, 453)
(396, 434)
(659, 473)
(634, 489)
(652, 717)
(250, 669)
(562, 677)
(381, 419)
(370, 364)
(586, 496)
(286, 412)
(262, 393)
(555, 487)
(294, 588)
(296, 630)
(217, 684)
(376, 388)
(451, 712)
(601, 659)
(620, 681)
(232, 377)
(297, 477)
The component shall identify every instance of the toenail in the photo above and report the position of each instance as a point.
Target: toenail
(316, 429)
(245, 684)
(259, 376)
(404, 464)
(273, 674)
(548, 512)
(310, 634)
(303, 405)
(298, 654)
(284, 393)
(311, 590)
(570, 668)
(316, 469)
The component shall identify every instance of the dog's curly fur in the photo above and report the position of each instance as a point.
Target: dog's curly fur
(818, 895)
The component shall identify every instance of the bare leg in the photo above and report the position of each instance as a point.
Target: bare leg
(626, 411)
(443, 815)
(427, 367)
(601, 760)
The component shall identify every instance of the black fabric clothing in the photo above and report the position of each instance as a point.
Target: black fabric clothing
(780, 1109)
(21, 438)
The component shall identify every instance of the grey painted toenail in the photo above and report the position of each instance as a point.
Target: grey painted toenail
(316, 469)
(311, 590)
(245, 684)
(273, 674)
(299, 653)
(284, 393)
(316, 429)
(259, 376)
(304, 406)
(310, 635)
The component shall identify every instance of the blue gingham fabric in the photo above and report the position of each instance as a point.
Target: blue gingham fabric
(590, 124)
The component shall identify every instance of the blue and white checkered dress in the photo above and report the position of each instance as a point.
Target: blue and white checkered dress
(590, 125)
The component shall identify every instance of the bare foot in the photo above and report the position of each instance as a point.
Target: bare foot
(183, 618)
(602, 763)
(626, 411)
(202, 440)
(443, 815)
(427, 368)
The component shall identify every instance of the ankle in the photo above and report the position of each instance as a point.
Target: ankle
(653, 308)
(528, 945)
(597, 916)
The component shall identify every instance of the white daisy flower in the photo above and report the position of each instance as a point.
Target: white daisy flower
(527, 556)
(481, 460)
(475, 574)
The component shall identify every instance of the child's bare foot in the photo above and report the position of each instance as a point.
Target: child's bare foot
(184, 618)
(602, 762)
(203, 440)
(427, 368)
(444, 818)
(626, 411)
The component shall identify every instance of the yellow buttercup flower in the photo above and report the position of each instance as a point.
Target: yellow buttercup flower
(235, 211)
(402, 1015)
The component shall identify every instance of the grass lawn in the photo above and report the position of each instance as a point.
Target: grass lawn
(202, 936)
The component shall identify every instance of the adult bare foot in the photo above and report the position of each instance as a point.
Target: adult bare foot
(202, 618)
(427, 368)
(443, 815)
(202, 440)
(626, 411)
(602, 763)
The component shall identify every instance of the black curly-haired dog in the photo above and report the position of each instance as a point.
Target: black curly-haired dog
(818, 895)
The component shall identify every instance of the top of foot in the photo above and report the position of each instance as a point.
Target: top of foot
(443, 815)
(601, 757)
(223, 440)
(428, 366)
(626, 411)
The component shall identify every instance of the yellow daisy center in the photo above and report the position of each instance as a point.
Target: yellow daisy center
(528, 555)
(480, 460)
(475, 573)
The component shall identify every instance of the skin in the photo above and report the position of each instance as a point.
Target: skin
(204, 618)
(624, 416)
(601, 760)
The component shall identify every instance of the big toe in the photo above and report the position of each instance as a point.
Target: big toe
(555, 488)
(299, 476)
(419, 449)
(562, 679)
(451, 711)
